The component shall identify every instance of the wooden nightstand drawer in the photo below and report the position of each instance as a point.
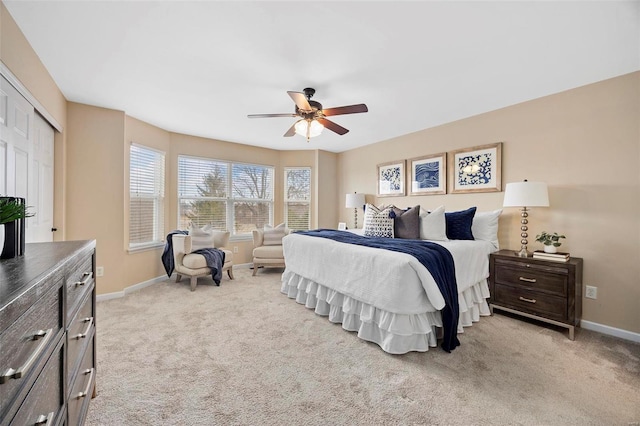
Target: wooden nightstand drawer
(533, 302)
(545, 279)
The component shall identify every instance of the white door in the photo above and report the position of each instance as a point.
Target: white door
(26, 160)
(41, 190)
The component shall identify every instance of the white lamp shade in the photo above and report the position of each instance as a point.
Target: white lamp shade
(354, 200)
(526, 194)
(314, 130)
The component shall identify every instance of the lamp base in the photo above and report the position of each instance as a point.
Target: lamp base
(522, 253)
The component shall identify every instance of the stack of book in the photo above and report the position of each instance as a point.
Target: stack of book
(554, 257)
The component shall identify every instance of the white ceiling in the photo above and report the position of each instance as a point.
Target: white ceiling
(200, 67)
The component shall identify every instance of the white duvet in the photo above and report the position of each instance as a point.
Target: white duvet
(392, 281)
(387, 297)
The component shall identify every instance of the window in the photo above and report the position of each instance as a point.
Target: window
(146, 197)
(297, 198)
(228, 196)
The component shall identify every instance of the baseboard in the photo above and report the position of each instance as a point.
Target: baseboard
(140, 286)
(611, 331)
(135, 287)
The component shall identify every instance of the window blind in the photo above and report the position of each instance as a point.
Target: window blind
(228, 196)
(146, 196)
(297, 190)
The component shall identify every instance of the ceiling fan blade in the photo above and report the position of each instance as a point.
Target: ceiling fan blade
(291, 131)
(270, 115)
(350, 109)
(333, 126)
(301, 101)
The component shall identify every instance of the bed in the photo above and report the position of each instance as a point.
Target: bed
(387, 297)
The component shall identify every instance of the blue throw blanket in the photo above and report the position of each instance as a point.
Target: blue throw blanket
(214, 257)
(434, 257)
(167, 253)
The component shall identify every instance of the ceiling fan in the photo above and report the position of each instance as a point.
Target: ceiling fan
(312, 116)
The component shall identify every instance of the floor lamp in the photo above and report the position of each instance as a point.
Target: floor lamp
(525, 194)
(353, 201)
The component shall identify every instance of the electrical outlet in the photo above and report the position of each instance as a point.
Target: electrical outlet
(235, 249)
(99, 271)
(591, 292)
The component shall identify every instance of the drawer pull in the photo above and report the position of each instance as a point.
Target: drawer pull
(86, 277)
(524, 299)
(90, 372)
(44, 420)
(529, 280)
(10, 373)
(86, 330)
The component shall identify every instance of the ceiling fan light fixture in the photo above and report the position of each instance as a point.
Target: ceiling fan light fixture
(308, 128)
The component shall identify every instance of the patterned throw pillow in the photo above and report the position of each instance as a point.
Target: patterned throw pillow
(406, 223)
(273, 235)
(459, 224)
(201, 238)
(377, 222)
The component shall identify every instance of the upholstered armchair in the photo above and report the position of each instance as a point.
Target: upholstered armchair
(267, 254)
(194, 265)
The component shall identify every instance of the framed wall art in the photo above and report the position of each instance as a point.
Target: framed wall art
(391, 179)
(428, 174)
(476, 169)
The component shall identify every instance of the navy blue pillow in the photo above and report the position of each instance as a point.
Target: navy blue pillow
(459, 224)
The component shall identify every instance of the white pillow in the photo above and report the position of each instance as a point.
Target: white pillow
(377, 222)
(201, 238)
(485, 227)
(273, 235)
(433, 225)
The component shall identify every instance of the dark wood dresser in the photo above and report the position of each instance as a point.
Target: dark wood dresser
(544, 290)
(47, 334)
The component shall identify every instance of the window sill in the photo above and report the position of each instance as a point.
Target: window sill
(145, 247)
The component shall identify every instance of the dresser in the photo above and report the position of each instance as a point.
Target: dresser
(47, 334)
(543, 290)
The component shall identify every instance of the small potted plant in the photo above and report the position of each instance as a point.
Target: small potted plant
(551, 241)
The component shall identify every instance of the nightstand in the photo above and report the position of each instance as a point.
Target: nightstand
(543, 290)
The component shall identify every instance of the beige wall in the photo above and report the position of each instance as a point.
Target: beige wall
(95, 187)
(585, 143)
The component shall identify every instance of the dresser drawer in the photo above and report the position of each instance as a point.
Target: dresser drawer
(24, 345)
(546, 279)
(78, 335)
(45, 401)
(532, 302)
(79, 282)
(82, 388)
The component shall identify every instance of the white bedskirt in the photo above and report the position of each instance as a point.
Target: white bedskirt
(394, 333)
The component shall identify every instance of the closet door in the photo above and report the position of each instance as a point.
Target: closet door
(41, 190)
(26, 160)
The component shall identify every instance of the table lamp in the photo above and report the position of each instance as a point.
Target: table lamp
(353, 201)
(525, 194)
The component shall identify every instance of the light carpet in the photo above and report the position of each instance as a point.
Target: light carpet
(245, 354)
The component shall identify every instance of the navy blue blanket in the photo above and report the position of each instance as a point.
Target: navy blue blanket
(213, 257)
(215, 260)
(167, 253)
(434, 257)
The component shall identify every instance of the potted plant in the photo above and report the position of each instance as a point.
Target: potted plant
(551, 241)
(13, 211)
